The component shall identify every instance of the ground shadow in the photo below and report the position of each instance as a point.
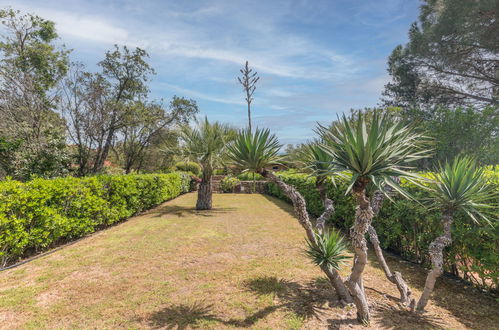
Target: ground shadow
(283, 205)
(182, 211)
(464, 302)
(393, 317)
(305, 300)
(181, 316)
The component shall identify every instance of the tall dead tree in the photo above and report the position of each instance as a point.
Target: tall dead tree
(248, 80)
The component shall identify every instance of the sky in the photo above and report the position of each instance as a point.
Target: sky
(315, 58)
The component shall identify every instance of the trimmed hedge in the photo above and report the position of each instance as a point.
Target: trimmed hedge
(41, 213)
(191, 167)
(407, 228)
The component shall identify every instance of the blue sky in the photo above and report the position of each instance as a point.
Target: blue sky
(315, 58)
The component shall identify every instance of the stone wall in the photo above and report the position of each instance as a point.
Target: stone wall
(246, 187)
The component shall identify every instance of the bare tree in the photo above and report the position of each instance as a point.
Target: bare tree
(248, 80)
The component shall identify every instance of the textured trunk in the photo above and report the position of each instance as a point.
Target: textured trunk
(437, 259)
(300, 208)
(328, 206)
(204, 193)
(395, 277)
(363, 218)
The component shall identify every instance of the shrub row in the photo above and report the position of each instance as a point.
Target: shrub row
(407, 228)
(41, 213)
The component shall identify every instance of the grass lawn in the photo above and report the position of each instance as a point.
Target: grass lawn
(238, 265)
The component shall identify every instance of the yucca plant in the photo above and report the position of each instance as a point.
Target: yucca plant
(373, 153)
(316, 161)
(329, 250)
(257, 151)
(458, 186)
(206, 144)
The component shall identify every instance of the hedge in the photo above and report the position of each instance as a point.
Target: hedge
(41, 213)
(407, 228)
(191, 167)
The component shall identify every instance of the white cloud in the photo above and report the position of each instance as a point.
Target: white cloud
(89, 28)
(189, 93)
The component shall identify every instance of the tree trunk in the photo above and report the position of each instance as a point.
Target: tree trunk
(300, 208)
(204, 193)
(436, 252)
(395, 277)
(328, 206)
(363, 218)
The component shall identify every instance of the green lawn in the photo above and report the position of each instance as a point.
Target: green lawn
(238, 265)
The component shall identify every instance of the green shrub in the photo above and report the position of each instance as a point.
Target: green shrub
(407, 227)
(192, 167)
(220, 171)
(250, 176)
(228, 184)
(41, 213)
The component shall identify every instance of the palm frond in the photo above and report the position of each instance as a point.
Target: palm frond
(206, 142)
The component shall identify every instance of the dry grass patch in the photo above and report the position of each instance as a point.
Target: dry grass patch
(240, 265)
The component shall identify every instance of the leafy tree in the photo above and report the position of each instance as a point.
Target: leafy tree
(374, 154)
(458, 186)
(31, 67)
(126, 73)
(145, 121)
(450, 59)
(206, 144)
(461, 131)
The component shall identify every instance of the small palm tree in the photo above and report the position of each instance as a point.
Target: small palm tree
(206, 144)
(458, 186)
(257, 151)
(374, 154)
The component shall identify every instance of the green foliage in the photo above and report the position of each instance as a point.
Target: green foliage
(29, 46)
(206, 143)
(461, 185)
(447, 59)
(228, 184)
(460, 131)
(250, 176)
(41, 213)
(376, 151)
(330, 250)
(408, 228)
(255, 151)
(192, 167)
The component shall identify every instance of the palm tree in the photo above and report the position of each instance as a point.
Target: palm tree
(374, 154)
(206, 144)
(259, 150)
(458, 186)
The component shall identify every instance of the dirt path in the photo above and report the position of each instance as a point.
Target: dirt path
(239, 265)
